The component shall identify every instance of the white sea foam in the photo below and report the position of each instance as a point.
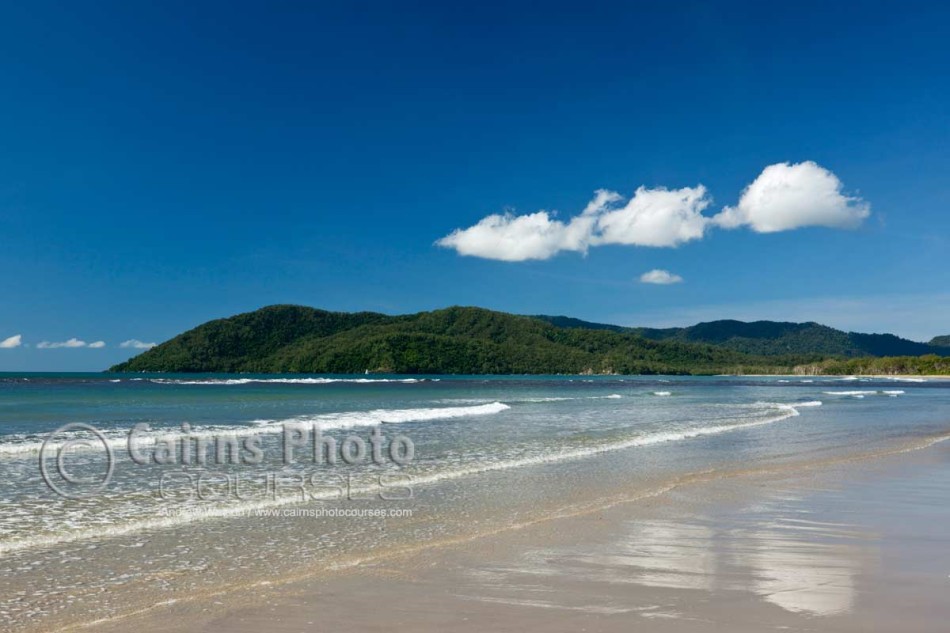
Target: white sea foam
(396, 416)
(537, 400)
(791, 407)
(285, 381)
(19, 445)
(865, 392)
(782, 412)
(662, 393)
(850, 393)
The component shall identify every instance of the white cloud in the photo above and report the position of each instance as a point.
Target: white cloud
(518, 238)
(785, 196)
(10, 343)
(653, 217)
(97, 344)
(788, 196)
(136, 344)
(71, 343)
(661, 277)
(603, 198)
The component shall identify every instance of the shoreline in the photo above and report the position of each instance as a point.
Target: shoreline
(304, 599)
(873, 376)
(559, 453)
(370, 376)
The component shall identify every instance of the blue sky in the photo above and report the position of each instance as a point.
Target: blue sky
(166, 163)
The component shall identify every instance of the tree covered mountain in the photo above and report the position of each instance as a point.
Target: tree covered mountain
(776, 338)
(462, 340)
(454, 340)
(772, 337)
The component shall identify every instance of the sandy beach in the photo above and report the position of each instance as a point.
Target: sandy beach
(853, 545)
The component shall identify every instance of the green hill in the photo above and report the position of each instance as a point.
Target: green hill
(940, 341)
(454, 340)
(284, 338)
(565, 321)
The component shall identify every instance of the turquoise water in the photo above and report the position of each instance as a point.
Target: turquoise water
(461, 427)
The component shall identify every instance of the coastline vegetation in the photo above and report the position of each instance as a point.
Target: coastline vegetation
(461, 340)
(927, 365)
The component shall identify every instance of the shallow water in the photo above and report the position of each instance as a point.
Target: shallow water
(489, 453)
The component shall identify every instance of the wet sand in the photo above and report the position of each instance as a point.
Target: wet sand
(843, 547)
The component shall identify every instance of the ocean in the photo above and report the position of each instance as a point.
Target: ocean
(235, 480)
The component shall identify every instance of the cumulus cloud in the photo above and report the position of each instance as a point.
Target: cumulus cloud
(71, 343)
(518, 238)
(10, 343)
(97, 344)
(788, 196)
(652, 217)
(655, 217)
(661, 277)
(136, 344)
(785, 196)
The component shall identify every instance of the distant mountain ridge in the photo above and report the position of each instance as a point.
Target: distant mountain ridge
(467, 340)
(771, 338)
(940, 341)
